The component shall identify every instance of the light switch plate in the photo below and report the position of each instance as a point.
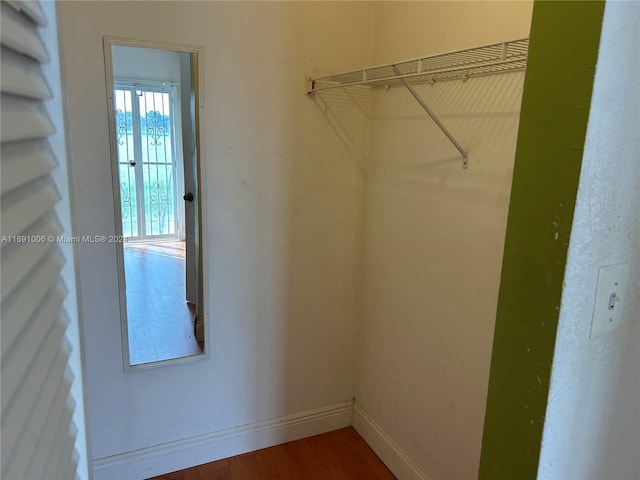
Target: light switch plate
(611, 298)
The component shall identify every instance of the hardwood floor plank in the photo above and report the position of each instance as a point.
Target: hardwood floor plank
(337, 455)
(160, 321)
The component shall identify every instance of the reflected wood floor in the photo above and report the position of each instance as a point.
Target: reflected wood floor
(159, 319)
(337, 455)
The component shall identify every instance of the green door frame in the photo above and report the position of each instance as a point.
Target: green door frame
(563, 51)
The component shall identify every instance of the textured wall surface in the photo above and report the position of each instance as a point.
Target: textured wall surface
(592, 427)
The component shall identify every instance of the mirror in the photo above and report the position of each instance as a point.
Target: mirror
(154, 107)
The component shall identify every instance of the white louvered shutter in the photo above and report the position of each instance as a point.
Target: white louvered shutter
(38, 434)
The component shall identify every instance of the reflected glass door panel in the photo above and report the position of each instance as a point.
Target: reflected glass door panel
(158, 172)
(146, 152)
(126, 162)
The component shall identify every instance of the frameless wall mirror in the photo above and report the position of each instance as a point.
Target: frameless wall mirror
(154, 105)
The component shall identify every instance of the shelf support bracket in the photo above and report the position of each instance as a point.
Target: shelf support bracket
(465, 158)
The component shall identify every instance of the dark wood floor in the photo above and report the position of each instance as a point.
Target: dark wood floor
(337, 455)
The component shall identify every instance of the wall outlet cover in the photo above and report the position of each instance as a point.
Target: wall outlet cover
(611, 298)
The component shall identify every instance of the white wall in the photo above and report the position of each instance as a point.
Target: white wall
(146, 64)
(434, 238)
(282, 217)
(592, 425)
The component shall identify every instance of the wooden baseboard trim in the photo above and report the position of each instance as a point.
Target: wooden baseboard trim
(389, 452)
(169, 457)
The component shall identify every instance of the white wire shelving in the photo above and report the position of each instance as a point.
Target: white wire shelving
(458, 65)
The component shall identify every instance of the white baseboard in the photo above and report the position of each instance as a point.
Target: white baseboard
(169, 457)
(393, 457)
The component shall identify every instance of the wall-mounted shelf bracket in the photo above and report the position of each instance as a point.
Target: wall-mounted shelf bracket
(458, 65)
(425, 107)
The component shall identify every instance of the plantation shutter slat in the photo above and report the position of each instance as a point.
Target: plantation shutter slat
(22, 207)
(21, 35)
(55, 451)
(22, 76)
(47, 439)
(24, 119)
(19, 459)
(20, 261)
(23, 162)
(60, 458)
(37, 399)
(50, 361)
(16, 366)
(50, 305)
(18, 309)
(32, 10)
(46, 409)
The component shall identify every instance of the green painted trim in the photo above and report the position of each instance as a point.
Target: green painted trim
(555, 108)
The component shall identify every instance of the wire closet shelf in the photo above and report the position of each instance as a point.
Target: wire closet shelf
(462, 64)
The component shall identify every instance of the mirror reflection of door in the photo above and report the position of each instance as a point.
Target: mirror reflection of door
(147, 159)
(154, 115)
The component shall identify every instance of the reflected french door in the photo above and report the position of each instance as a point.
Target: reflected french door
(146, 156)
